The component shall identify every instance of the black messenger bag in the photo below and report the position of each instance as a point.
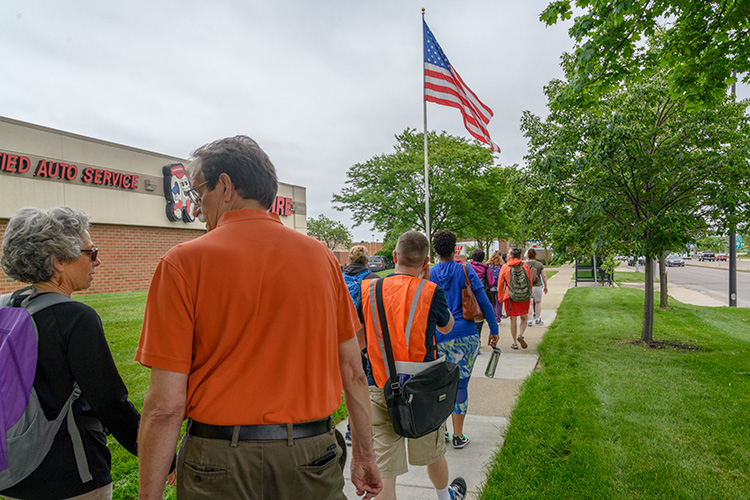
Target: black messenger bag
(422, 403)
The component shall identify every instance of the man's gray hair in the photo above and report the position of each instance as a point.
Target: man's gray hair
(240, 157)
(34, 237)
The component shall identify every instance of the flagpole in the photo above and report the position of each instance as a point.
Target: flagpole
(426, 169)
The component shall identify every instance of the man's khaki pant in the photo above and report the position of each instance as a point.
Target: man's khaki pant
(259, 470)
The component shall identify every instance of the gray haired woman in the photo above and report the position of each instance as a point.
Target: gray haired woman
(52, 249)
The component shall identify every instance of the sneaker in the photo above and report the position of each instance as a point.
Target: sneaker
(460, 441)
(531, 323)
(539, 321)
(447, 436)
(348, 438)
(458, 489)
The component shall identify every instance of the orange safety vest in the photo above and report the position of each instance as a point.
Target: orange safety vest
(407, 306)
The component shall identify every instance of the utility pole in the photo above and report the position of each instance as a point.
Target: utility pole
(733, 242)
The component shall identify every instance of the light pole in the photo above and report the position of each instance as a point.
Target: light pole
(733, 242)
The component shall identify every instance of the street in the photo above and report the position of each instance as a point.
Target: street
(711, 281)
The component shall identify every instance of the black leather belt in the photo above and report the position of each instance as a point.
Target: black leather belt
(261, 432)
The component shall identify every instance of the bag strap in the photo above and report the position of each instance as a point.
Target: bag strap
(390, 362)
(384, 341)
(466, 273)
(33, 302)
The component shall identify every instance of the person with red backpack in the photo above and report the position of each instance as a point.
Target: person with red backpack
(515, 282)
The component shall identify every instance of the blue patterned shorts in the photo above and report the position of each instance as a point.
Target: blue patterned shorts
(462, 351)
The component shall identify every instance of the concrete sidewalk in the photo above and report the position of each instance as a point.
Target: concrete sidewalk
(491, 401)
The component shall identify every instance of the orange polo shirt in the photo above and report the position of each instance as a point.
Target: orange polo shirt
(253, 312)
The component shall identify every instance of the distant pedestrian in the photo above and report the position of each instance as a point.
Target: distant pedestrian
(515, 284)
(485, 276)
(538, 285)
(495, 264)
(461, 345)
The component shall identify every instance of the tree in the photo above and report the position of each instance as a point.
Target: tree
(639, 171)
(488, 215)
(330, 232)
(704, 42)
(388, 190)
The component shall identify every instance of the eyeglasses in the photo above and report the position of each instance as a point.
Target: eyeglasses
(193, 194)
(94, 253)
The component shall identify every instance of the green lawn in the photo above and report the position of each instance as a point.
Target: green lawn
(606, 418)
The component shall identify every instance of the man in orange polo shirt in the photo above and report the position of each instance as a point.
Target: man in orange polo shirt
(250, 332)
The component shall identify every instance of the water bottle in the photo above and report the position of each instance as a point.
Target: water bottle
(492, 365)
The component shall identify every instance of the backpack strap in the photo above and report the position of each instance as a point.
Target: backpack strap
(362, 274)
(75, 436)
(43, 301)
(34, 303)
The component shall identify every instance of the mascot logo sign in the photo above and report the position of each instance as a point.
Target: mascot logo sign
(176, 185)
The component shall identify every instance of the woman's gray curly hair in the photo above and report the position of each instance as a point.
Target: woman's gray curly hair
(34, 237)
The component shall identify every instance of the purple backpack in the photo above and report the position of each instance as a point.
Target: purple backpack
(26, 435)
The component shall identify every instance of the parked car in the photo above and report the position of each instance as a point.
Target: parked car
(707, 256)
(641, 261)
(721, 256)
(674, 259)
(377, 263)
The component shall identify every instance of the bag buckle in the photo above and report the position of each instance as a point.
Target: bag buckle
(396, 388)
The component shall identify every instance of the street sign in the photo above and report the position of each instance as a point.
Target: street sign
(738, 243)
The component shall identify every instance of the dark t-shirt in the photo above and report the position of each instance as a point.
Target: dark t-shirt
(72, 347)
(538, 266)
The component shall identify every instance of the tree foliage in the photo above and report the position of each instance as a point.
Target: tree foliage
(640, 172)
(387, 190)
(704, 42)
(332, 233)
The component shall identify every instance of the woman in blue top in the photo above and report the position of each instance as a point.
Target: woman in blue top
(461, 345)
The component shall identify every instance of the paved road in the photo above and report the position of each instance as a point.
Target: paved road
(712, 281)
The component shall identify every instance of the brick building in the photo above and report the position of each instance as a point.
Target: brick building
(135, 198)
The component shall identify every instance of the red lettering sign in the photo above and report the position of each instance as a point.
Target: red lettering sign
(282, 206)
(10, 166)
(71, 172)
(88, 175)
(24, 164)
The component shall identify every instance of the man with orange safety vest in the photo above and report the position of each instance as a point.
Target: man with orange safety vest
(411, 301)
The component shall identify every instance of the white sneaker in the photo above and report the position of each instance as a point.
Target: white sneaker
(539, 321)
(531, 323)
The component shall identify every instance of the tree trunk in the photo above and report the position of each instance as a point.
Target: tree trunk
(663, 284)
(647, 332)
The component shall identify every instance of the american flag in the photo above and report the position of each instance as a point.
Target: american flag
(443, 85)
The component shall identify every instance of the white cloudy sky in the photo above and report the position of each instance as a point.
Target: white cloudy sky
(321, 85)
